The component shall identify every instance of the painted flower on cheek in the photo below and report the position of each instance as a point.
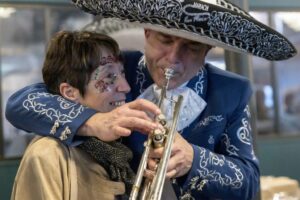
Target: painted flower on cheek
(104, 84)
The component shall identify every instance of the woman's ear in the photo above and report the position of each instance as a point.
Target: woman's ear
(69, 92)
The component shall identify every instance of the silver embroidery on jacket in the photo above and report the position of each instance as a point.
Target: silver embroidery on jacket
(199, 86)
(206, 121)
(212, 175)
(140, 76)
(230, 149)
(71, 110)
(244, 132)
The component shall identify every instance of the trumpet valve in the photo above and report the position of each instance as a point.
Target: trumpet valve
(158, 137)
(161, 119)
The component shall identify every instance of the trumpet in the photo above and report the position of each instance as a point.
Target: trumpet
(152, 188)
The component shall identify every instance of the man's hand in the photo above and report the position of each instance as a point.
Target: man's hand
(121, 121)
(181, 159)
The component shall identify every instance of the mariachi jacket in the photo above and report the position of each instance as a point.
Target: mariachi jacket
(224, 165)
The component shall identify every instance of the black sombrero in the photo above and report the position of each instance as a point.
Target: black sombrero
(214, 22)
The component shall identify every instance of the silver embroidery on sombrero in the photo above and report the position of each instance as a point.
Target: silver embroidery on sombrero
(169, 15)
(70, 110)
(249, 36)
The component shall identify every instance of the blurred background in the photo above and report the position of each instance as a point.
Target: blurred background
(26, 26)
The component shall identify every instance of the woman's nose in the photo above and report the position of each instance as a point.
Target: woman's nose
(123, 85)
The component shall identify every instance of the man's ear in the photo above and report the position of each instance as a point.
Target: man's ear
(146, 33)
(69, 92)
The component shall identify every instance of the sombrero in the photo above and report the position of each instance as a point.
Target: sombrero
(213, 22)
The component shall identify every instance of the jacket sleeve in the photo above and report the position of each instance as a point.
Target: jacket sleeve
(231, 171)
(34, 109)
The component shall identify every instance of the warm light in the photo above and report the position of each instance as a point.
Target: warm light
(6, 12)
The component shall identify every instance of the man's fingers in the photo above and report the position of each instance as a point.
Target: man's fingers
(142, 104)
(172, 173)
(134, 123)
(121, 131)
(138, 114)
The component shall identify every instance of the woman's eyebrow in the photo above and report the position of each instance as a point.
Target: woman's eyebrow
(101, 71)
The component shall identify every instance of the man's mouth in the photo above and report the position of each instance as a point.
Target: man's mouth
(117, 103)
(175, 73)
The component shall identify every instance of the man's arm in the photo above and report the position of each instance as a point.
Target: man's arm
(227, 171)
(231, 170)
(35, 110)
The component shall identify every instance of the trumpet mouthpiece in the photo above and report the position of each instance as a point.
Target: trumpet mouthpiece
(169, 73)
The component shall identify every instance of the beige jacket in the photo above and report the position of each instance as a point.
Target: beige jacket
(51, 171)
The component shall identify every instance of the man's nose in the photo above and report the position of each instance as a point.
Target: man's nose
(123, 85)
(175, 53)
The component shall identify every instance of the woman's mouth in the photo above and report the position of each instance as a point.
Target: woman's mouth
(117, 103)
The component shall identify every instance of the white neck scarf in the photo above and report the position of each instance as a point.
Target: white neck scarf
(191, 107)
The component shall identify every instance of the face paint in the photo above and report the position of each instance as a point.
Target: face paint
(102, 86)
(108, 59)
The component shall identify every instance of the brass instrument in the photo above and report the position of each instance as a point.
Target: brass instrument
(152, 189)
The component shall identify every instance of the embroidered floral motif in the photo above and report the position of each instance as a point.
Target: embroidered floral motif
(141, 78)
(186, 196)
(71, 110)
(212, 175)
(54, 127)
(243, 133)
(208, 120)
(230, 149)
(211, 139)
(247, 111)
(199, 86)
(64, 135)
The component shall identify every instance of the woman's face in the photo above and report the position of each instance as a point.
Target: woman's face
(107, 87)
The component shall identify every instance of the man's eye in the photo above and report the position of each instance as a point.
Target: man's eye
(166, 41)
(193, 49)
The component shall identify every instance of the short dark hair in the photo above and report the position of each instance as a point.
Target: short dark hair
(71, 57)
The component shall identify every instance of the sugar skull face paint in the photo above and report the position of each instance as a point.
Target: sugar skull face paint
(105, 78)
(108, 59)
(107, 87)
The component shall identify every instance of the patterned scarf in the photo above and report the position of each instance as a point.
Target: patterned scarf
(114, 157)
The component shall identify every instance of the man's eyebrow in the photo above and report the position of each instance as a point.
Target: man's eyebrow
(164, 35)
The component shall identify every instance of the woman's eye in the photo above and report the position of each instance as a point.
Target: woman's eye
(123, 73)
(111, 78)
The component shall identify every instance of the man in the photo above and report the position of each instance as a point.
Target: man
(212, 157)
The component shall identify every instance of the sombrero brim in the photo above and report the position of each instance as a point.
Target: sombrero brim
(213, 22)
